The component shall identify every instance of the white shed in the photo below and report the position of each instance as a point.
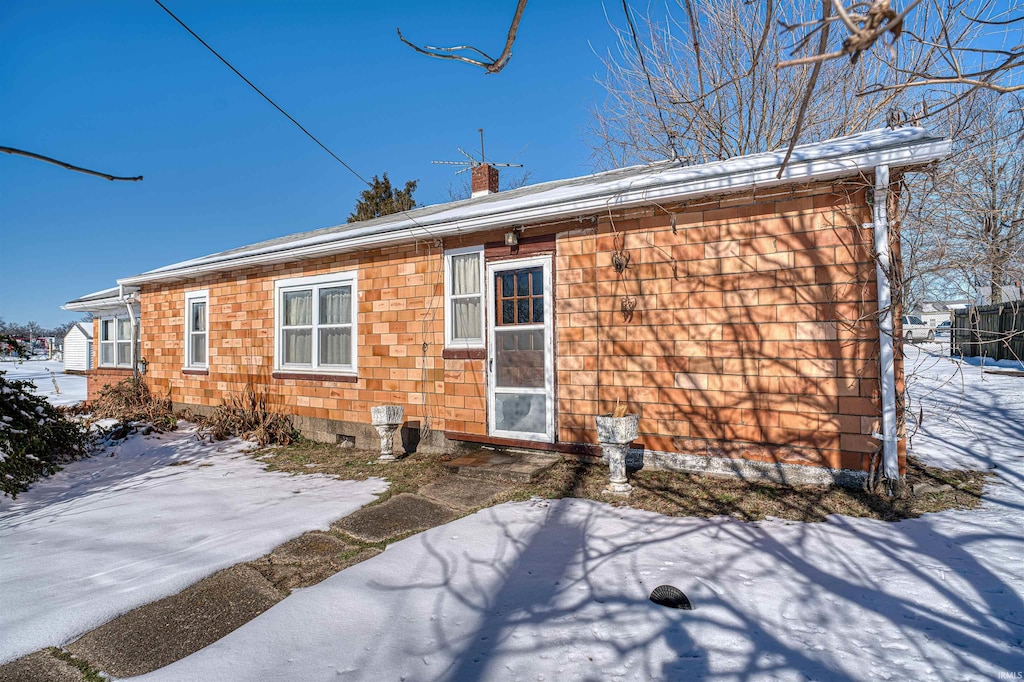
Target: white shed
(78, 348)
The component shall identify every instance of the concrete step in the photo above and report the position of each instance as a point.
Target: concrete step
(513, 466)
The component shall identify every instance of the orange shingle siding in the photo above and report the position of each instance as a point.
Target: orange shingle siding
(752, 335)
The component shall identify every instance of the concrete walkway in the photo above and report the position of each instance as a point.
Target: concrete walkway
(160, 633)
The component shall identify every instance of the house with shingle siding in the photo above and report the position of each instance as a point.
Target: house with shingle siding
(735, 306)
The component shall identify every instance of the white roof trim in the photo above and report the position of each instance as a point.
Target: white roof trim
(661, 182)
(104, 300)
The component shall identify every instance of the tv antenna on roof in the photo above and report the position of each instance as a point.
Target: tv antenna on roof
(472, 162)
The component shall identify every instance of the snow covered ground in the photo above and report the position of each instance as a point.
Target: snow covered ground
(143, 521)
(72, 386)
(558, 590)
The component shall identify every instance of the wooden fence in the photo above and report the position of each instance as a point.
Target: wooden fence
(993, 331)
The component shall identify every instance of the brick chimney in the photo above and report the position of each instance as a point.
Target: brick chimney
(485, 180)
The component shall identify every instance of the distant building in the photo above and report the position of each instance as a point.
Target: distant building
(78, 349)
(1010, 292)
(934, 313)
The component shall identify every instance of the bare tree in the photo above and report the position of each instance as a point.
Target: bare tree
(967, 218)
(972, 44)
(701, 83)
(942, 50)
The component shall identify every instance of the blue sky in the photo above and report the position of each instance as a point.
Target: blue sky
(120, 87)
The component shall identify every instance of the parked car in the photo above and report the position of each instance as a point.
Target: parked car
(914, 329)
(943, 330)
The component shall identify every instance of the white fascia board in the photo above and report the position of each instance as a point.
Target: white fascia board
(105, 304)
(589, 200)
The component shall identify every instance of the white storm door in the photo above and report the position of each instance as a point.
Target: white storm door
(520, 366)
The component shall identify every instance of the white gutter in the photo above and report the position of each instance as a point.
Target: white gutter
(887, 359)
(558, 203)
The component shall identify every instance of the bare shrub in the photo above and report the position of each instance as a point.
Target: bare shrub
(132, 401)
(248, 416)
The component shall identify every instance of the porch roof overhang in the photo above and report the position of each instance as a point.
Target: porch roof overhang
(666, 181)
(111, 300)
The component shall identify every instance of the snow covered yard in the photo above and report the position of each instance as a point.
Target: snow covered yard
(72, 386)
(142, 521)
(558, 589)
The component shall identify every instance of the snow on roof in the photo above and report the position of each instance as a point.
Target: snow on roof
(96, 296)
(101, 300)
(586, 195)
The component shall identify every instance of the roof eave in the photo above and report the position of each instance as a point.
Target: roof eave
(907, 155)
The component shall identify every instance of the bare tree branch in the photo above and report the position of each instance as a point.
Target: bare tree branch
(959, 36)
(812, 82)
(77, 169)
(487, 63)
(716, 90)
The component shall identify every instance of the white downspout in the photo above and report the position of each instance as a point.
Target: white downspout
(887, 359)
(135, 331)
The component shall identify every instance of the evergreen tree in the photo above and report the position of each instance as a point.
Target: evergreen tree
(382, 199)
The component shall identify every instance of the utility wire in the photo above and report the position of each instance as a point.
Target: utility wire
(262, 94)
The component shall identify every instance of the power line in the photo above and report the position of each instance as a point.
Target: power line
(262, 94)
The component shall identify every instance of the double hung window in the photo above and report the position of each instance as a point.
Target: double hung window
(316, 323)
(115, 342)
(197, 329)
(464, 293)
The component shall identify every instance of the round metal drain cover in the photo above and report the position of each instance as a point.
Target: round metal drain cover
(672, 597)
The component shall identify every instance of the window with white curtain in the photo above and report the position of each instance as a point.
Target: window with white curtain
(316, 323)
(464, 297)
(197, 329)
(115, 342)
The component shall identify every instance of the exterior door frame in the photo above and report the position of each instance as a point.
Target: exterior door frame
(494, 267)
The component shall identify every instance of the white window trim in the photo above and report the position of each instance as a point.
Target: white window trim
(202, 295)
(316, 282)
(449, 319)
(116, 340)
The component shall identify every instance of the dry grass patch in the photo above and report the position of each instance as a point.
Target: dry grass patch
(678, 494)
(664, 492)
(406, 475)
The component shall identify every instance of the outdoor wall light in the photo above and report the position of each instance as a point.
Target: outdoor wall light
(512, 238)
(143, 364)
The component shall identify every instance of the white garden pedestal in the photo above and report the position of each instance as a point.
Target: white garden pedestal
(386, 419)
(615, 434)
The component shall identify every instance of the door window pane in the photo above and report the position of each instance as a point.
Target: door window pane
(523, 311)
(519, 412)
(336, 346)
(519, 358)
(523, 284)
